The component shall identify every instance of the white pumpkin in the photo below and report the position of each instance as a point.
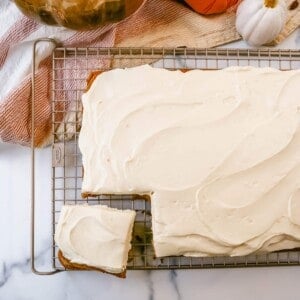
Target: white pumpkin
(260, 21)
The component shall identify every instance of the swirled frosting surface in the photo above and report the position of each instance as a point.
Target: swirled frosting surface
(96, 236)
(218, 151)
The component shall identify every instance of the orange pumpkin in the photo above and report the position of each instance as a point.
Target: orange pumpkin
(207, 7)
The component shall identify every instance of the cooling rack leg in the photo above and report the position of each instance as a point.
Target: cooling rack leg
(33, 267)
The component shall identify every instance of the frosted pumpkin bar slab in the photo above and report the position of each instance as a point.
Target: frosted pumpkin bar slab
(217, 151)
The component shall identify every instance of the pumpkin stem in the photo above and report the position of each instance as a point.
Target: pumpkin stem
(270, 3)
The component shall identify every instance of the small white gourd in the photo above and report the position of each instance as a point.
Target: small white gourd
(260, 21)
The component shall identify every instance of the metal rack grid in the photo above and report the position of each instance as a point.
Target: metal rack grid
(71, 67)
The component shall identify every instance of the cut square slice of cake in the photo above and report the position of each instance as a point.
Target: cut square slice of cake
(94, 237)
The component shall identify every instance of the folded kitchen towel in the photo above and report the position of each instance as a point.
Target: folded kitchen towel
(17, 34)
(162, 23)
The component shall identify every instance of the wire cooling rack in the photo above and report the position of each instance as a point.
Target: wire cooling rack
(70, 70)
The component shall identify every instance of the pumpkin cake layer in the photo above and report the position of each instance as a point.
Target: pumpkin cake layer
(217, 151)
(94, 237)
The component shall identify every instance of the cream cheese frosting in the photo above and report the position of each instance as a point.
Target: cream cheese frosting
(96, 236)
(218, 151)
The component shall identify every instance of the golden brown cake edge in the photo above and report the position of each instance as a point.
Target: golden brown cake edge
(75, 266)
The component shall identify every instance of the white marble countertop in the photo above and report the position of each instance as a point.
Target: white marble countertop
(18, 282)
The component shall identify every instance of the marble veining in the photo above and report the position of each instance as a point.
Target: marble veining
(7, 269)
(173, 279)
(150, 286)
